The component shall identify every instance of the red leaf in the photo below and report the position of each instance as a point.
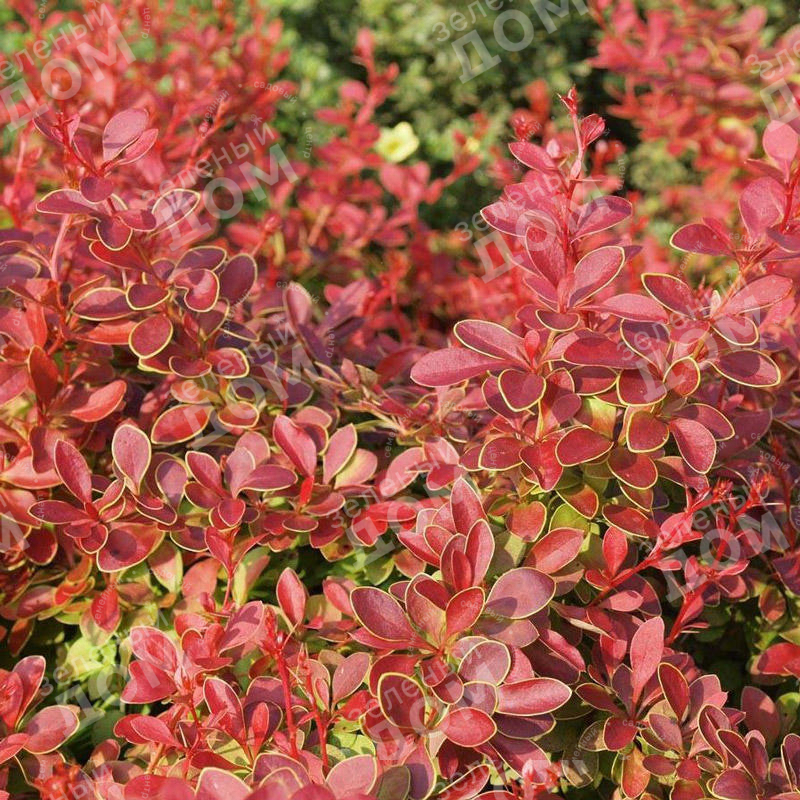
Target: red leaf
(698, 238)
(130, 448)
(647, 647)
(180, 423)
(297, 444)
(402, 701)
(520, 593)
(696, 443)
(454, 365)
(580, 445)
(73, 471)
(468, 727)
(672, 292)
(490, 339)
(532, 696)
(50, 728)
(123, 129)
(463, 610)
(594, 271)
(292, 596)
(381, 614)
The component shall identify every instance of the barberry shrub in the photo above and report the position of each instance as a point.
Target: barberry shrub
(299, 503)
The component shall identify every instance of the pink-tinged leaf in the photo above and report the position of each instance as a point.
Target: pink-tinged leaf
(748, 367)
(202, 289)
(734, 784)
(780, 659)
(123, 129)
(640, 387)
(637, 307)
(292, 596)
(647, 647)
(699, 238)
(601, 214)
(594, 271)
(760, 293)
(148, 684)
(709, 417)
(683, 377)
(269, 477)
(618, 733)
(555, 550)
(141, 729)
(463, 610)
(140, 147)
(127, 546)
(468, 785)
(521, 390)
(157, 787)
(695, 442)
(225, 708)
(237, 278)
(635, 777)
(761, 713)
(95, 189)
(761, 205)
(671, 291)
(217, 784)
(402, 701)
(73, 471)
(780, 143)
(99, 403)
(174, 206)
(501, 453)
(676, 688)
(532, 696)
(646, 433)
(532, 155)
(58, 512)
(352, 776)
(150, 336)
(11, 745)
(30, 671)
(615, 549)
(468, 727)
(490, 339)
(50, 728)
(466, 506)
(633, 469)
(349, 675)
(167, 566)
(297, 444)
(44, 375)
(381, 614)
(453, 365)
(340, 450)
(528, 521)
(581, 445)
(520, 592)
(130, 448)
(14, 381)
(65, 201)
(102, 304)
(142, 296)
(180, 423)
(105, 609)
(596, 350)
(487, 662)
(205, 470)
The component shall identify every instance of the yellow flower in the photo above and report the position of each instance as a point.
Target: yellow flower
(398, 143)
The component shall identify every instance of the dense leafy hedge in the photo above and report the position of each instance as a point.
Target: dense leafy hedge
(318, 483)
